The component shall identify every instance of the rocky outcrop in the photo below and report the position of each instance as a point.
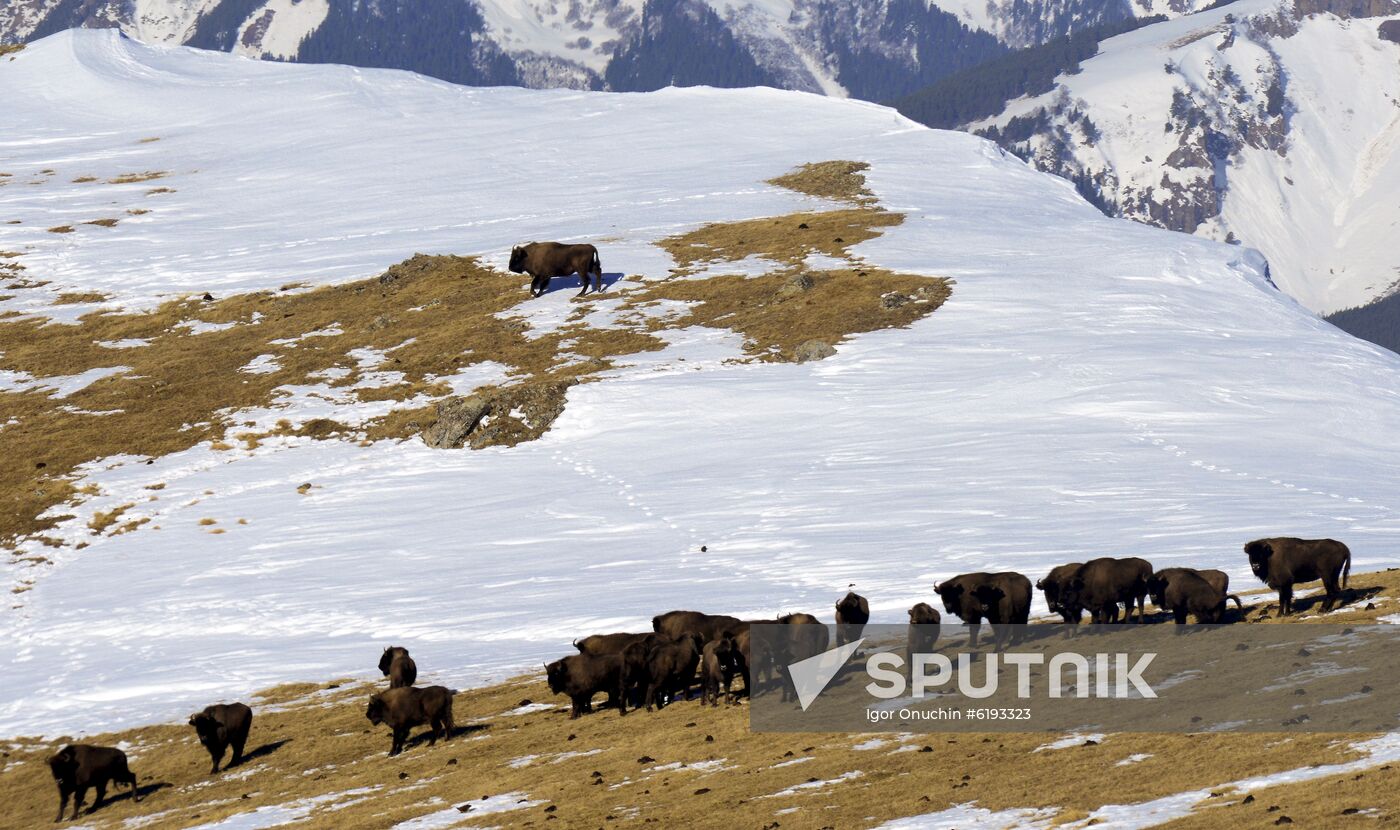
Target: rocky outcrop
(456, 418)
(504, 417)
(813, 350)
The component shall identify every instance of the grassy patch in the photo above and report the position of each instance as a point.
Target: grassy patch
(432, 316)
(133, 178)
(10, 49)
(84, 179)
(687, 766)
(78, 297)
(105, 223)
(840, 180)
(61, 229)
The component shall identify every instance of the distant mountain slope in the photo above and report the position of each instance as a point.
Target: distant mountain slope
(1269, 122)
(871, 49)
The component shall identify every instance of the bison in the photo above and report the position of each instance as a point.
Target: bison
(222, 726)
(671, 669)
(924, 627)
(79, 766)
(806, 637)
(1219, 580)
(717, 668)
(675, 624)
(598, 644)
(580, 676)
(1100, 584)
(1000, 598)
(852, 613)
(1184, 591)
(1283, 561)
(406, 707)
(546, 260)
(395, 664)
(1051, 586)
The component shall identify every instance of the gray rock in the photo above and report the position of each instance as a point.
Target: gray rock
(894, 300)
(813, 350)
(797, 284)
(456, 418)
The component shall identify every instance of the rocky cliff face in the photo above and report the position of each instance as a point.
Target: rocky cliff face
(1265, 123)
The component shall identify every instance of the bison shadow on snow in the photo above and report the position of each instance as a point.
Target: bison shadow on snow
(575, 282)
(1346, 598)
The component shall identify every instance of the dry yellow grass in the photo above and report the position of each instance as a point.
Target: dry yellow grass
(10, 49)
(690, 766)
(133, 178)
(61, 229)
(79, 297)
(84, 179)
(105, 223)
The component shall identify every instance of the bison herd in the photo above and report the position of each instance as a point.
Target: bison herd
(689, 650)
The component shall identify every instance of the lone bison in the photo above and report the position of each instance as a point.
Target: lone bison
(222, 726)
(852, 613)
(1184, 591)
(1284, 561)
(398, 667)
(1053, 583)
(580, 676)
(79, 766)
(406, 707)
(1100, 584)
(1001, 599)
(545, 260)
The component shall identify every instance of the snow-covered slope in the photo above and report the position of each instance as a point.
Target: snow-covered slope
(1093, 386)
(1267, 121)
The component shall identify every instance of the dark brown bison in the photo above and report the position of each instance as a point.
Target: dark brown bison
(222, 726)
(581, 676)
(545, 260)
(614, 643)
(395, 664)
(1284, 561)
(1101, 584)
(743, 660)
(1219, 580)
(671, 670)
(718, 666)
(806, 637)
(1002, 599)
(675, 624)
(924, 627)
(406, 707)
(852, 613)
(79, 766)
(1051, 586)
(1184, 591)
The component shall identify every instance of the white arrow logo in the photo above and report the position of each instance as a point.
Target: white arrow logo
(811, 676)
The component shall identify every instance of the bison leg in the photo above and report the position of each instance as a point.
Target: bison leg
(1179, 614)
(237, 752)
(1285, 600)
(101, 797)
(1329, 584)
(62, 801)
(78, 798)
(583, 278)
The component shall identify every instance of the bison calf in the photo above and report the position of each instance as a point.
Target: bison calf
(1284, 561)
(545, 260)
(406, 707)
(77, 767)
(717, 668)
(220, 727)
(925, 623)
(395, 664)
